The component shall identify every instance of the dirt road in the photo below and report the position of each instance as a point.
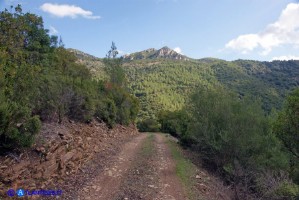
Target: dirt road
(144, 169)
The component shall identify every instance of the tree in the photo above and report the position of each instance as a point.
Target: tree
(286, 128)
(234, 136)
(41, 80)
(23, 41)
(287, 125)
(114, 67)
(112, 53)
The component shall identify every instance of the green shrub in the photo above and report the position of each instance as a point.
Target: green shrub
(40, 77)
(287, 191)
(148, 125)
(230, 129)
(276, 185)
(126, 105)
(106, 111)
(286, 128)
(17, 128)
(233, 135)
(81, 107)
(176, 123)
(28, 131)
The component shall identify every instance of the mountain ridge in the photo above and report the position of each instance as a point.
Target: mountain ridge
(163, 53)
(166, 83)
(152, 53)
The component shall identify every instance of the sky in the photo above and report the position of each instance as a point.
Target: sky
(227, 29)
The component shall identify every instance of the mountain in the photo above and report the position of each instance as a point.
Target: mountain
(152, 53)
(82, 55)
(94, 64)
(162, 81)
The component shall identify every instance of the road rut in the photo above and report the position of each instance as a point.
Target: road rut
(144, 169)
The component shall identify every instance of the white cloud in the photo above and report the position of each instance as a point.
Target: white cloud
(244, 43)
(282, 32)
(289, 57)
(178, 50)
(52, 30)
(65, 10)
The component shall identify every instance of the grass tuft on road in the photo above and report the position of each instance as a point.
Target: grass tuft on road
(141, 174)
(148, 146)
(185, 170)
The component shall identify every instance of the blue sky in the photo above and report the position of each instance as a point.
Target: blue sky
(226, 29)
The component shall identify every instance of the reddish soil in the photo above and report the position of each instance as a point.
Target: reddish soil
(141, 168)
(137, 172)
(121, 164)
(106, 183)
(170, 186)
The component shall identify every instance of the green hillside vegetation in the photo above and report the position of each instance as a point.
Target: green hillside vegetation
(257, 154)
(95, 65)
(167, 83)
(286, 128)
(234, 77)
(283, 76)
(42, 81)
(152, 53)
(141, 55)
(225, 120)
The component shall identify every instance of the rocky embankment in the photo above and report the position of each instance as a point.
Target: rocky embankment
(60, 151)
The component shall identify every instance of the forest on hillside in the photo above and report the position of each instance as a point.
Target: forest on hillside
(164, 83)
(167, 84)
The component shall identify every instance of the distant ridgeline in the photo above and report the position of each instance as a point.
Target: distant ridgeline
(152, 53)
(163, 79)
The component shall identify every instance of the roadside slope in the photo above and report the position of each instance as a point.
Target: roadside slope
(150, 166)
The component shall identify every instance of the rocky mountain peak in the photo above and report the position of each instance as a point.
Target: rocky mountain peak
(166, 48)
(165, 52)
(150, 50)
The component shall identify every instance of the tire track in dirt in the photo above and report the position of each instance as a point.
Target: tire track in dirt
(107, 183)
(141, 180)
(152, 175)
(144, 169)
(169, 184)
